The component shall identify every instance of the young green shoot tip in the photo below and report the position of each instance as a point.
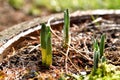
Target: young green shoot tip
(66, 31)
(46, 45)
(98, 53)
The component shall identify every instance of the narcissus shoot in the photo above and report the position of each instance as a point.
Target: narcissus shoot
(98, 53)
(66, 31)
(46, 45)
(102, 45)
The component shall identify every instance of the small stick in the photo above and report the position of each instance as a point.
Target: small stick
(66, 59)
(71, 62)
(34, 47)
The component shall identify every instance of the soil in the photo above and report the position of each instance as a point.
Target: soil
(24, 63)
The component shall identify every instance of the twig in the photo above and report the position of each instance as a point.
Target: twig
(55, 34)
(77, 51)
(86, 48)
(34, 48)
(66, 59)
(95, 21)
(71, 62)
(100, 19)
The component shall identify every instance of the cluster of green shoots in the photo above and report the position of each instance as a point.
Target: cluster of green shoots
(46, 44)
(102, 70)
(98, 53)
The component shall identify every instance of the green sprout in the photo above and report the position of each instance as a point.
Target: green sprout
(66, 31)
(46, 45)
(102, 45)
(98, 53)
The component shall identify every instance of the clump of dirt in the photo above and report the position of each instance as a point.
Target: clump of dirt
(25, 62)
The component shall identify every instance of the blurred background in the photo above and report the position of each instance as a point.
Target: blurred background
(15, 11)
